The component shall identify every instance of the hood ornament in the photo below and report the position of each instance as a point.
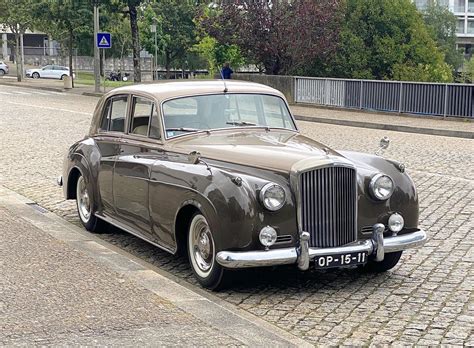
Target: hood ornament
(326, 151)
(383, 145)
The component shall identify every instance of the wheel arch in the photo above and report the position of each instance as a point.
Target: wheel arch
(181, 225)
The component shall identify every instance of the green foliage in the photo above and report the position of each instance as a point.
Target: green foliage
(467, 72)
(387, 39)
(175, 29)
(217, 54)
(441, 24)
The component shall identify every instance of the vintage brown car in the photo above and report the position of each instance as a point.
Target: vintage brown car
(219, 169)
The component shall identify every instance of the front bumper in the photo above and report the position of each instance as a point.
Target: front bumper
(302, 255)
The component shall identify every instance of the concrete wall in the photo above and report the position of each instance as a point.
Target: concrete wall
(284, 84)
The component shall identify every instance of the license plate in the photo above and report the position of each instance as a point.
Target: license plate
(341, 260)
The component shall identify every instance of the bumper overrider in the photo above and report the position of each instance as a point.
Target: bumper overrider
(377, 246)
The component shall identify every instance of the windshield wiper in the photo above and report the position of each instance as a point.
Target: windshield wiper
(183, 129)
(241, 123)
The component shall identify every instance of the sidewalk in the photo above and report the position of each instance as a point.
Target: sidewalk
(62, 286)
(451, 127)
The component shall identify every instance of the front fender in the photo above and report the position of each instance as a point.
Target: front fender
(404, 199)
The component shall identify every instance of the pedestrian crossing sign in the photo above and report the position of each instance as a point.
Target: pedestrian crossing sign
(104, 40)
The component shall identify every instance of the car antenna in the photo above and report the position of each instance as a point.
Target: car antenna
(223, 80)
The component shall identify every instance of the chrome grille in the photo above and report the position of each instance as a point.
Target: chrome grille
(328, 211)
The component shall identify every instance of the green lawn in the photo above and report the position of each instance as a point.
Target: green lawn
(86, 78)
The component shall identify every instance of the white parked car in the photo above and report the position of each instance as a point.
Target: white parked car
(48, 72)
(3, 68)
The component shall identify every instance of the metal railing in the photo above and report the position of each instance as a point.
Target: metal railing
(437, 99)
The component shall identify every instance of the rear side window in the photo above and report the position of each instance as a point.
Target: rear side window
(114, 115)
(141, 114)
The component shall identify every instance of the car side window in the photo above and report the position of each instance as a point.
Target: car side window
(118, 114)
(155, 125)
(141, 113)
(104, 123)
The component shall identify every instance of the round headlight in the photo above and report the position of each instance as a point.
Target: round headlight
(381, 186)
(272, 196)
(396, 223)
(267, 236)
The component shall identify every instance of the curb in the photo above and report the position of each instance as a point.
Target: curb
(93, 94)
(52, 89)
(390, 127)
(223, 316)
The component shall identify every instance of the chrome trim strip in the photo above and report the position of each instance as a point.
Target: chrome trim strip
(131, 231)
(244, 259)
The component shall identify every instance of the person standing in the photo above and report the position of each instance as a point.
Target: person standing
(227, 71)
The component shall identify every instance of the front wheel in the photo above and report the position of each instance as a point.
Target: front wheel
(2, 72)
(84, 208)
(390, 260)
(202, 253)
(35, 75)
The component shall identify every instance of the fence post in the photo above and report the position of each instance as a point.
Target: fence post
(400, 100)
(445, 100)
(361, 93)
(296, 89)
(326, 92)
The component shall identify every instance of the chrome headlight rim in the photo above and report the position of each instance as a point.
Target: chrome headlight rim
(373, 188)
(263, 193)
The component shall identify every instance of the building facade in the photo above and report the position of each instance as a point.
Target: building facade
(34, 44)
(464, 11)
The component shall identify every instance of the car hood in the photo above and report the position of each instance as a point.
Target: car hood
(276, 150)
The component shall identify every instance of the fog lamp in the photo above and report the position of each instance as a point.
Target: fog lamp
(267, 236)
(396, 223)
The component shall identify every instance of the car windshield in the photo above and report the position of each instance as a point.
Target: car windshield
(207, 112)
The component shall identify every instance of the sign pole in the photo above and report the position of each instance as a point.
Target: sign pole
(103, 62)
(96, 50)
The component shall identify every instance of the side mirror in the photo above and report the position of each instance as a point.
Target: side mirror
(383, 145)
(194, 157)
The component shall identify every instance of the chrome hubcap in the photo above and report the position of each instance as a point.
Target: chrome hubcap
(203, 244)
(83, 201)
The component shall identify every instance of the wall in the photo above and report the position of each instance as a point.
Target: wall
(285, 84)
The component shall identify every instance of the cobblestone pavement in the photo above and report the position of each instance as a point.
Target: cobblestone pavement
(451, 123)
(426, 300)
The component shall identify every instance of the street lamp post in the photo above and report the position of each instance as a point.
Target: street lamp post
(153, 63)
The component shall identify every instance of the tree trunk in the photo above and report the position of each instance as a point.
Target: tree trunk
(18, 58)
(167, 64)
(137, 74)
(71, 71)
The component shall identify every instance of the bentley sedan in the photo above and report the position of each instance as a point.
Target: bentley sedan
(219, 170)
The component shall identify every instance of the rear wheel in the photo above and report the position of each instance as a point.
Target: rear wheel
(63, 76)
(202, 253)
(35, 75)
(390, 260)
(84, 208)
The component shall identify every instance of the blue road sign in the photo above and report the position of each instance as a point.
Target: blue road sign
(104, 40)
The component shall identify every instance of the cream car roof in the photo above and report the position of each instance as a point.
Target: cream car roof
(174, 89)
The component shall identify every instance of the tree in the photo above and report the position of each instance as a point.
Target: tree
(175, 29)
(387, 39)
(131, 9)
(441, 23)
(283, 36)
(71, 19)
(17, 16)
